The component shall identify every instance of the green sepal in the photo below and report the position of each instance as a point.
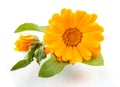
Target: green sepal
(39, 54)
(51, 67)
(30, 53)
(30, 26)
(95, 61)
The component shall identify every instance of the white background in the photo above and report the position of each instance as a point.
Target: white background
(15, 12)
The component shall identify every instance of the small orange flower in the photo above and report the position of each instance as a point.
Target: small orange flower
(23, 43)
(74, 36)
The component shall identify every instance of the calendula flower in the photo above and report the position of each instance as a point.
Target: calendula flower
(73, 36)
(24, 42)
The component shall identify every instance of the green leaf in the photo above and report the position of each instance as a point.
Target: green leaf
(95, 61)
(51, 67)
(20, 64)
(30, 26)
(39, 55)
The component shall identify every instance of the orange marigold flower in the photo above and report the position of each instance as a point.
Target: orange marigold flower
(23, 43)
(74, 36)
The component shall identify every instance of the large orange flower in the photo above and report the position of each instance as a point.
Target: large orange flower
(23, 43)
(73, 37)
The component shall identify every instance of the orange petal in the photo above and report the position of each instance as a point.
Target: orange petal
(95, 51)
(87, 19)
(58, 28)
(95, 35)
(86, 54)
(67, 18)
(49, 39)
(91, 28)
(64, 55)
(69, 53)
(81, 22)
(55, 18)
(76, 55)
(50, 31)
(50, 36)
(60, 50)
(90, 42)
(78, 15)
(58, 43)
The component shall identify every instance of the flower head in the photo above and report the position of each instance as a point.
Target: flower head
(24, 42)
(73, 36)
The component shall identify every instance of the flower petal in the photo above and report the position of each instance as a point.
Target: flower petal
(95, 51)
(48, 39)
(91, 28)
(50, 36)
(77, 18)
(58, 28)
(69, 53)
(95, 35)
(60, 50)
(86, 20)
(76, 55)
(58, 43)
(90, 42)
(64, 55)
(67, 18)
(55, 18)
(86, 54)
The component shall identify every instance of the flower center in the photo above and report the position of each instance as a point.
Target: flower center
(72, 37)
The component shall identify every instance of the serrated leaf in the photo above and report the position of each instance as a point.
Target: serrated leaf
(95, 61)
(39, 54)
(30, 26)
(51, 67)
(20, 64)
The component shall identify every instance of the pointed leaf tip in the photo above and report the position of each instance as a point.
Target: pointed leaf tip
(51, 67)
(20, 64)
(30, 26)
